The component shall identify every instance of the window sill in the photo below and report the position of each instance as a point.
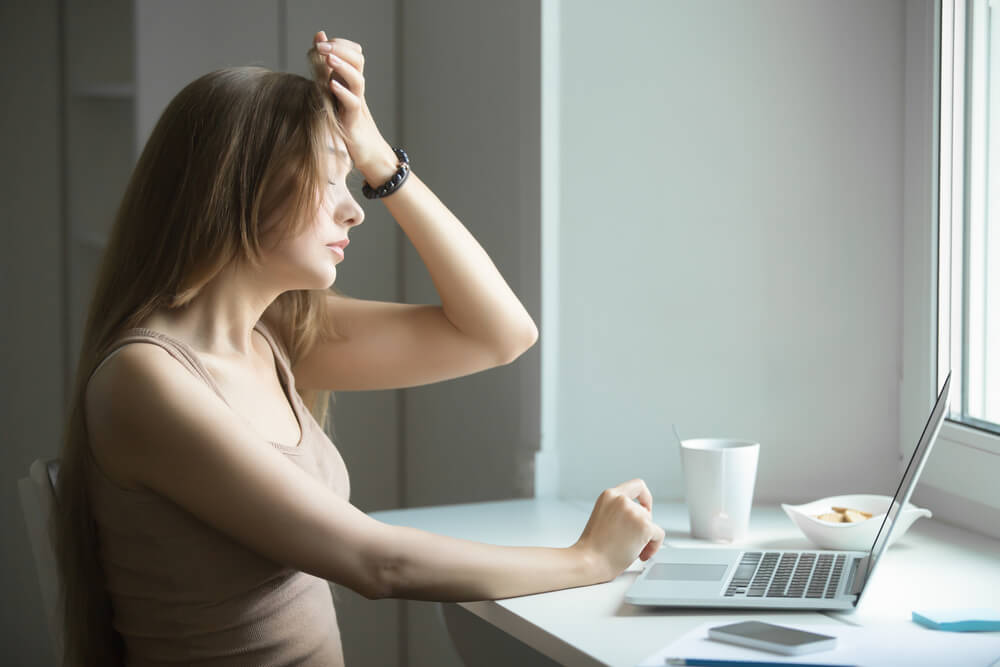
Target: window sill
(968, 436)
(958, 483)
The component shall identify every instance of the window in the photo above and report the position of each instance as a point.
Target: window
(969, 213)
(951, 263)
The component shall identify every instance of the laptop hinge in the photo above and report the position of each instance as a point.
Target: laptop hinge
(857, 576)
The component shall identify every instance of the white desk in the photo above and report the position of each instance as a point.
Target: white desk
(593, 625)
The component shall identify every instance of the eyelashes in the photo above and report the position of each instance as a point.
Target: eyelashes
(352, 180)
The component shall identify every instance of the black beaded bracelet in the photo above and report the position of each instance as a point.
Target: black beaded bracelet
(393, 183)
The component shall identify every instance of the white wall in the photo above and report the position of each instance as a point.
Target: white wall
(730, 186)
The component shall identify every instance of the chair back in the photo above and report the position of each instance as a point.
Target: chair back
(38, 502)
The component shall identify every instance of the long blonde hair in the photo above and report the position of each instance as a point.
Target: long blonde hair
(232, 148)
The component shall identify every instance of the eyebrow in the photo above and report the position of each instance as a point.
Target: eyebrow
(343, 155)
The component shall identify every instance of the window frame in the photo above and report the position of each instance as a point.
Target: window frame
(960, 477)
(961, 301)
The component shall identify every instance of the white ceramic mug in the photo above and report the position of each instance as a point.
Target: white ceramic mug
(719, 476)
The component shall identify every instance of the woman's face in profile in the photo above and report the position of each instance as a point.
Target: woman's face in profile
(307, 261)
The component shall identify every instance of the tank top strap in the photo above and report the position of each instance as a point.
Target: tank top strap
(175, 348)
(281, 354)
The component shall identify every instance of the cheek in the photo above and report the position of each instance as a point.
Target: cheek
(292, 254)
(302, 264)
(305, 243)
(306, 251)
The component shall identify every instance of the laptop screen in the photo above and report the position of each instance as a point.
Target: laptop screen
(910, 476)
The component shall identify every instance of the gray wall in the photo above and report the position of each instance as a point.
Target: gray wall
(473, 124)
(470, 118)
(730, 185)
(31, 300)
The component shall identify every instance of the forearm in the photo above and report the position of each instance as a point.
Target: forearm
(426, 566)
(474, 295)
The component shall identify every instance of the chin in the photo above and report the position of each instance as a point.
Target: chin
(330, 278)
(322, 281)
(317, 273)
(314, 280)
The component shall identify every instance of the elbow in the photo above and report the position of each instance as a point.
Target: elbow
(519, 344)
(376, 590)
(381, 576)
(366, 581)
(377, 583)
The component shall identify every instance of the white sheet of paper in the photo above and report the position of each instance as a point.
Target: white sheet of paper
(889, 645)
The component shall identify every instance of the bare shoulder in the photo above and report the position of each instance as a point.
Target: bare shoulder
(137, 374)
(159, 427)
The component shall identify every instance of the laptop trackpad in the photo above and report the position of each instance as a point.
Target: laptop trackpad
(687, 572)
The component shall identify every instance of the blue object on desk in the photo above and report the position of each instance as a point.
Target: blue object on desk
(959, 620)
(710, 662)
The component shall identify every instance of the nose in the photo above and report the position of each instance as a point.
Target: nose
(351, 214)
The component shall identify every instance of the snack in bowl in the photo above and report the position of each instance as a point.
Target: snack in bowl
(844, 515)
(858, 535)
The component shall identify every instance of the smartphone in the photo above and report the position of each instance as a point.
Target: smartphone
(770, 637)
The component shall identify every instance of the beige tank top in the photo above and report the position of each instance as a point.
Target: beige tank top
(184, 593)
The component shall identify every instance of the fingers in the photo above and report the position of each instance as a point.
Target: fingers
(622, 495)
(344, 49)
(346, 52)
(349, 73)
(340, 41)
(636, 488)
(344, 63)
(321, 37)
(349, 100)
(642, 520)
(654, 544)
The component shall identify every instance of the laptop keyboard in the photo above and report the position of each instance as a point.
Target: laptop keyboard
(787, 574)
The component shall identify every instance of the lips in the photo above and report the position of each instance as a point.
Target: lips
(338, 247)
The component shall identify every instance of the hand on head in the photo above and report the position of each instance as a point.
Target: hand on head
(340, 63)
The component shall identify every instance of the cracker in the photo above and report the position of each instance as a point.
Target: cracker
(832, 517)
(844, 510)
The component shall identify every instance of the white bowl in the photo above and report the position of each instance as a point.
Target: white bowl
(858, 536)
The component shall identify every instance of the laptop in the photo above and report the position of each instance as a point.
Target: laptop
(779, 579)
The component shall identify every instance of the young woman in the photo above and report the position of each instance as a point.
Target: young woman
(202, 507)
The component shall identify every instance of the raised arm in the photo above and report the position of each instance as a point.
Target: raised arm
(474, 296)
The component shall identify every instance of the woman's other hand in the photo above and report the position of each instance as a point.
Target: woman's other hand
(341, 63)
(620, 530)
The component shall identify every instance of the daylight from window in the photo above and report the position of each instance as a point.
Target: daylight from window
(969, 243)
